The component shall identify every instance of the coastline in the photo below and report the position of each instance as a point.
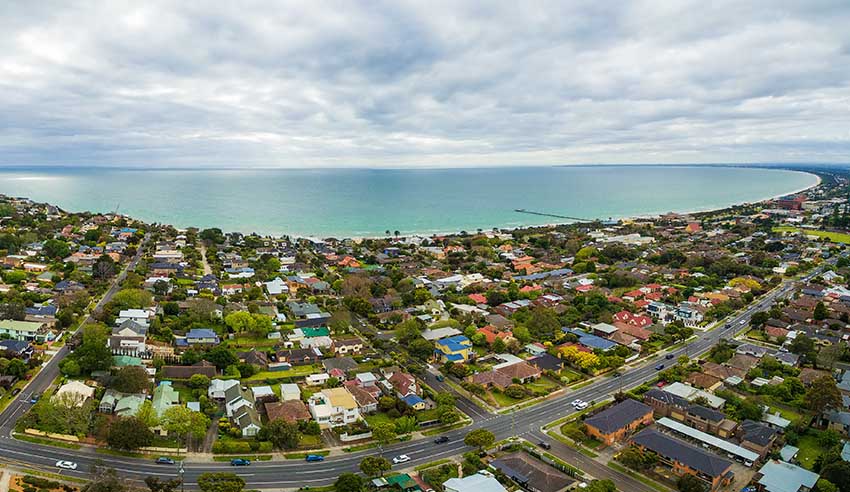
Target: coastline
(454, 231)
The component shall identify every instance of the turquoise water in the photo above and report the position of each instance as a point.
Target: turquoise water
(362, 202)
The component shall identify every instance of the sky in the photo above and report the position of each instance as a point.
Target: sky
(423, 84)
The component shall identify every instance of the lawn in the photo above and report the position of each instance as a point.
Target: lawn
(809, 449)
(544, 385)
(572, 375)
(295, 372)
(502, 399)
(836, 237)
(785, 413)
(378, 418)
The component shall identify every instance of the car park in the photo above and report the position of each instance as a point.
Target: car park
(239, 462)
(66, 465)
(402, 458)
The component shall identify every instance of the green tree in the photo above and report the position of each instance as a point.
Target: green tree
(93, 354)
(129, 433)
(185, 423)
(104, 268)
(601, 486)
(55, 249)
(837, 473)
(822, 395)
(824, 485)
(222, 357)
(349, 482)
(282, 434)
(131, 299)
(220, 482)
(543, 323)
(820, 311)
(131, 379)
(383, 433)
(156, 484)
(690, 483)
(373, 466)
(479, 438)
(240, 321)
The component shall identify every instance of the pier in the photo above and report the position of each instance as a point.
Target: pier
(557, 216)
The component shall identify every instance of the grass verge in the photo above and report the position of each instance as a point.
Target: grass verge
(46, 442)
(255, 457)
(301, 456)
(639, 477)
(433, 464)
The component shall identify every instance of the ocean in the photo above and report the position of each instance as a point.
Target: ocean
(364, 202)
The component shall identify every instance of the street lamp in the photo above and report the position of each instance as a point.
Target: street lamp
(181, 471)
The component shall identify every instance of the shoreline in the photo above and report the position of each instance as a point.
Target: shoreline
(505, 229)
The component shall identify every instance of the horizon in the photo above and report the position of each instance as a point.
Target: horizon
(403, 86)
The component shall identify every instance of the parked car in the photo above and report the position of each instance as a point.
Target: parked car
(441, 440)
(314, 457)
(16, 391)
(67, 465)
(402, 458)
(239, 462)
(544, 445)
(164, 460)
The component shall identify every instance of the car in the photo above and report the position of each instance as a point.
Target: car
(440, 378)
(575, 402)
(164, 460)
(66, 465)
(34, 399)
(544, 445)
(239, 462)
(16, 391)
(659, 367)
(617, 374)
(441, 440)
(402, 458)
(314, 457)
(582, 405)
(668, 356)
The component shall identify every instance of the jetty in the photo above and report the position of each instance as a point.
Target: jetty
(557, 216)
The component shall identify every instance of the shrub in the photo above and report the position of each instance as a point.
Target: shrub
(231, 447)
(41, 483)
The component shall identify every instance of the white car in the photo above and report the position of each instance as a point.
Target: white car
(575, 402)
(402, 458)
(582, 405)
(67, 465)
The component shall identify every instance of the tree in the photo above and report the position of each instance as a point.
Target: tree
(147, 414)
(212, 235)
(759, 318)
(372, 466)
(543, 323)
(383, 433)
(93, 354)
(105, 480)
(129, 433)
(220, 482)
(838, 473)
(103, 268)
(55, 249)
(820, 311)
(185, 423)
(282, 434)
(479, 438)
(420, 348)
(601, 486)
(222, 357)
(155, 484)
(824, 485)
(240, 321)
(131, 379)
(690, 483)
(822, 395)
(349, 482)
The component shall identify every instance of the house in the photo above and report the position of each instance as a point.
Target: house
(255, 358)
(202, 336)
(690, 393)
(17, 348)
(757, 437)
(705, 419)
(666, 404)
(129, 336)
(121, 404)
(482, 481)
(414, 401)
(186, 372)
(218, 388)
(235, 398)
(246, 418)
(532, 474)
(292, 411)
(614, 423)
(453, 349)
(333, 407)
(77, 392)
(347, 346)
(140, 316)
(404, 384)
(684, 458)
(547, 362)
(592, 342)
(779, 476)
(164, 397)
(263, 393)
(297, 357)
(365, 401)
(24, 330)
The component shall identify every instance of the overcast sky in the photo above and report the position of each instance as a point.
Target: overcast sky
(397, 84)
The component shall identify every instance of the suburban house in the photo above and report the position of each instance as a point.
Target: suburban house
(779, 476)
(76, 392)
(299, 356)
(248, 421)
(614, 423)
(757, 437)
(186, 372)
(482, 481)
(17, 348)
(121, 404)
(348, 346)
(453, 349)
(683, 458)
(292, 411)
(533, 475)
(365, 401)
(202, 336)
(404, 384)
(289, 392)
(333, 407)
(502, 376)
(129, 336)
(218, 388)
(24, 330)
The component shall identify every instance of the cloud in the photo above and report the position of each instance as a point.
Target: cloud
(398, 84)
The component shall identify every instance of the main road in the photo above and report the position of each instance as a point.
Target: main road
(296, 473)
